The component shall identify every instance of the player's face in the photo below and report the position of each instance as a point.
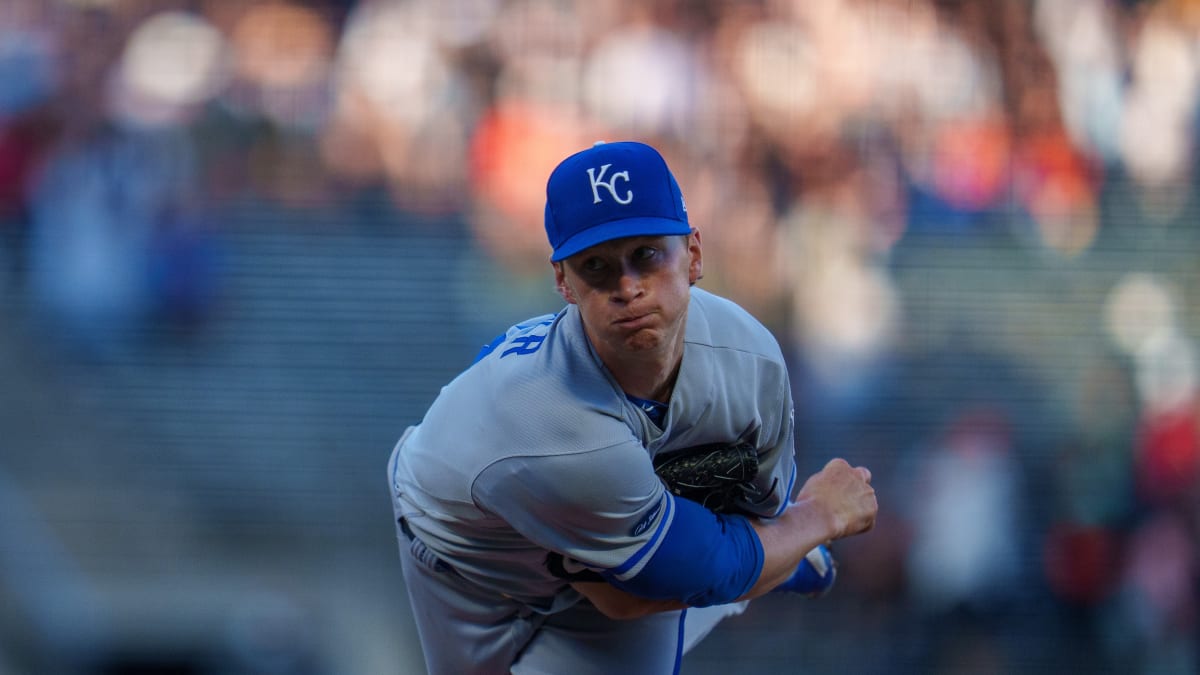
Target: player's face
(633, 292)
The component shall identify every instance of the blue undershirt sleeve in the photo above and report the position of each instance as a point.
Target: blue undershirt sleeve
(704, 559)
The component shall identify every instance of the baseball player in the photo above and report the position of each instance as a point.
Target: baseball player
(535, 534)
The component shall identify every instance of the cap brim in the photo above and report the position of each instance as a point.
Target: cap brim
(618, 229)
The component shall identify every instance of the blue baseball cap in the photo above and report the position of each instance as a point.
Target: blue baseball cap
(609, 191)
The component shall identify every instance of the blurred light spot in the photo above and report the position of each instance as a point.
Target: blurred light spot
(1065, 226)
(284, 46)
(1154, 141)
(1166, 371)
(1165, 62)
(394, 66)
(514, 143)
(1081, 40)
(1057, 186)
(850, 309)
(776, 68)
(642, 81)
(1138, 309)
(1155, 132)
(971, 166)
(173, 58)
(1168, 456)
(951, 79)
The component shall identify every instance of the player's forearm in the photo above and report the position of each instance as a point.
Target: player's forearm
(836, 502)
(617, 604)
(786, 540)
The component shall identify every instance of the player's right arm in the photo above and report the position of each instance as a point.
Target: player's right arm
(701, 563)
(618, 604)
(608, 510)
(835, 503)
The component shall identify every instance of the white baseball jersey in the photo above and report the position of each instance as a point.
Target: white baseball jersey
(535, 448)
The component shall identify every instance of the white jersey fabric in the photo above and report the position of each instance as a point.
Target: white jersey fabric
(535, 448)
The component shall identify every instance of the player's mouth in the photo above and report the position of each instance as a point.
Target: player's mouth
(634, 322)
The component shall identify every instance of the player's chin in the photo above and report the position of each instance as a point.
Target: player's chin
(636, 340)
(642, 340)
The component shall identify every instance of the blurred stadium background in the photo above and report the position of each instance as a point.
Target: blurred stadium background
(242, 245)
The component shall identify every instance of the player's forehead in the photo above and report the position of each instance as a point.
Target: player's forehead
(623, 246)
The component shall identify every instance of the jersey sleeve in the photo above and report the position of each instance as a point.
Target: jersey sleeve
(605, 508)
(705, 559)
(608, 511)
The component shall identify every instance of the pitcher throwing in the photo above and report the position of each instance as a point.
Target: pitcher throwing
(604, 484)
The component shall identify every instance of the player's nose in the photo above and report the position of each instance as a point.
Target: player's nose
(628, 285)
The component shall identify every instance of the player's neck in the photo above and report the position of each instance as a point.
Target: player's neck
(648, 375)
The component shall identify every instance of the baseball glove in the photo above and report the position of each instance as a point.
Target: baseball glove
(715, 475)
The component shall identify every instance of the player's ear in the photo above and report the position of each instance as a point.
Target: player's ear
(560, 282)
(695, 257)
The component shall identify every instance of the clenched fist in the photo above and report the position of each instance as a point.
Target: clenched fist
(843, 493)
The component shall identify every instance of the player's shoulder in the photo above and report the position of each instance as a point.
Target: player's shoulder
(522, 337)
(719, 322)
(539, 382)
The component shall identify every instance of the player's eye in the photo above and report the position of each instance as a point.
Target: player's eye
(593, 265)
(644, 253)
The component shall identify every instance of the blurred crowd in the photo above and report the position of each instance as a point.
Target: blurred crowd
(856, 167)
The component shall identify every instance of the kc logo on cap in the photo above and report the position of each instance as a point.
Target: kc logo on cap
(590, 198)
(598, 181)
